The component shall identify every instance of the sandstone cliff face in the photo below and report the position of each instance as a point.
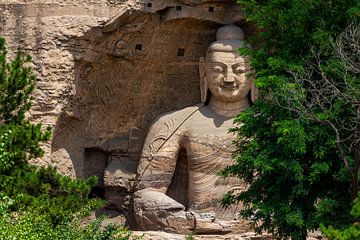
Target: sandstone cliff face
(49, 32)
(107, 68)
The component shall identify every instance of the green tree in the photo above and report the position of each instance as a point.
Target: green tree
(19, 139)
(287, 148)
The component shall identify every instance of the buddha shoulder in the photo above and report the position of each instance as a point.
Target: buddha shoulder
(173, 119)
(163, 128)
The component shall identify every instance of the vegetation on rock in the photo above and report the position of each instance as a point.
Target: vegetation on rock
(37, 203)
(298, 147)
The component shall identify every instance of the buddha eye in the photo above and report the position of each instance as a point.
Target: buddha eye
(239, 70)
(217, 69)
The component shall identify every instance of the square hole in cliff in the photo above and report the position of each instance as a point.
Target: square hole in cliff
(138, 47)
(178, 8)
(211, 9)
(149, 4)
(181, 52)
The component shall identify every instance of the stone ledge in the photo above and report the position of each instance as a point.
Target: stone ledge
(158, 235)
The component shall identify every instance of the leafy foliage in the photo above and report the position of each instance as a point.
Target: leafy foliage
(24, 226)
(19, 139)
(296, 176)
(43, 190)
(17, 82)
(349, 233)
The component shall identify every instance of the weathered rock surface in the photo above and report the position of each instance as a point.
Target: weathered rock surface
(156, 211)
(105, 67)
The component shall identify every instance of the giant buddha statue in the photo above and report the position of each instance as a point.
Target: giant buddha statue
(178, 186)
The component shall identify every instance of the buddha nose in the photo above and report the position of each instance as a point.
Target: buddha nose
(230, 76)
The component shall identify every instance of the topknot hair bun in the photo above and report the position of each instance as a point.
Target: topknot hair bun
(230, 32)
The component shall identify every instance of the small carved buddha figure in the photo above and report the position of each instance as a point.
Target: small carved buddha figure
(177, 179)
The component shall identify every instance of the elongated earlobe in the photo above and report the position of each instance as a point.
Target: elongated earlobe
(203, 81)
(254, 92)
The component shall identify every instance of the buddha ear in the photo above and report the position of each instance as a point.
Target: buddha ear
(203, 82)
(254, 92)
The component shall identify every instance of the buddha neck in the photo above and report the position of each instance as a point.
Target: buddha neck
(228, 109)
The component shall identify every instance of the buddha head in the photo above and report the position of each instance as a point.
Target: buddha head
(223, 72)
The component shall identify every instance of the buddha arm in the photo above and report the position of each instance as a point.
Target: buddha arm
(157, 170)
(161, 149)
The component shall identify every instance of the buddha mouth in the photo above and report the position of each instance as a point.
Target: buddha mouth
(229, 86)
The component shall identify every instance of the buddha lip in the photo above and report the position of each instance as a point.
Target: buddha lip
(229, 87)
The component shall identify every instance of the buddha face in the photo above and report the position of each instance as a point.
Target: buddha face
(227, 76)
